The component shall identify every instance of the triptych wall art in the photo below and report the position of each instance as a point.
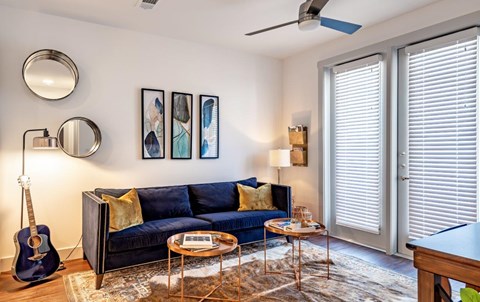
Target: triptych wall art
(208, 126)
(153, 125)
(181, 125)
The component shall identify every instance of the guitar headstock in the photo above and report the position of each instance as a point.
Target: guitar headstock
(24, 181)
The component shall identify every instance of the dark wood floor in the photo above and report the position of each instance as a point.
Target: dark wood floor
(53, 289)
(395, 263)
(398, 264)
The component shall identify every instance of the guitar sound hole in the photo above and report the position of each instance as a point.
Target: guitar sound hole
(34, 242)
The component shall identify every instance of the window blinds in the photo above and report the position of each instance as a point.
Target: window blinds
(442, 135)
(358, 144)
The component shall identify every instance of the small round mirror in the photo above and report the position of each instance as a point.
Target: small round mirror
(79, 137)
(50, 74)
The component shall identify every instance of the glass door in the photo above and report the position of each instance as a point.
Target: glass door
(438, 134)
(357, 154)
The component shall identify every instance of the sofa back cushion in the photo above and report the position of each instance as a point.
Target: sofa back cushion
(158, 202)
(217, 197)
(164, 202)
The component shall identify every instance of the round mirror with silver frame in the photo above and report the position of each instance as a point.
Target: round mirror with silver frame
(50, 74)
(79, 137)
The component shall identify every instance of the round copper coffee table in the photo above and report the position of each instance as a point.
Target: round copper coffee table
(226, 242)
(299, 236)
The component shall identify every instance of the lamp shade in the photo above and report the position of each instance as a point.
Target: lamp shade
(280, 158)
(45, 142)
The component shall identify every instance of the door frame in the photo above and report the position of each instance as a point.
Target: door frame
(402, 156)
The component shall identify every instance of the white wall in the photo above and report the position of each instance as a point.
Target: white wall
(114, 65)
(301, 101)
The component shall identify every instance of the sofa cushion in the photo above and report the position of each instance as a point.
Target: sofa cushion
(217, 197)
(158, 202)
(125, 211)
(164, 202)
(153, 233)
(252, 199)
(234, 220)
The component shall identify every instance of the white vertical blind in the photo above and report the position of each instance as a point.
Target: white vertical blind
(358, 145)
(442, 136)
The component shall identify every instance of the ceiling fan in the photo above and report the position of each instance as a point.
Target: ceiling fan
(309, 19)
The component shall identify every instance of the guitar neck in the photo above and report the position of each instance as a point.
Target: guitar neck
(31, 216)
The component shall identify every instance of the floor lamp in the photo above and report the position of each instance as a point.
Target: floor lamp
(279, 158)
(45, 142)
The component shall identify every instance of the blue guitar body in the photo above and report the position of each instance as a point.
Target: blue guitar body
(34, 264)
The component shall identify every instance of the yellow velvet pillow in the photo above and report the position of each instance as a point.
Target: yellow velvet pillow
(125, 211)
(255, 199)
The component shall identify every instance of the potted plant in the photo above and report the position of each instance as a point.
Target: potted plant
(469, 295)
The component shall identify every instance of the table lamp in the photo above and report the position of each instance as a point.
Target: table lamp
(279, 158)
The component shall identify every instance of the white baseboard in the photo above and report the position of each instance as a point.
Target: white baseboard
(6, 263)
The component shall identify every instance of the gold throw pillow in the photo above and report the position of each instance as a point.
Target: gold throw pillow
(125, 211)
(255, 199)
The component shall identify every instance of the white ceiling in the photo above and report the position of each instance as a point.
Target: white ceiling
(224, 22)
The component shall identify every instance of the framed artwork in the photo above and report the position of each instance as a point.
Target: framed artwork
(181, 125)
(153, 124)
(209, 126)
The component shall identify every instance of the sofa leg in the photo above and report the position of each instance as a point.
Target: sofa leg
(84, 256)
(98, 281)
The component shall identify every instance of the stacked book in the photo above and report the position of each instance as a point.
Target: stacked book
(282, 225)
(304, 228)
(197, 242)
(296, 226)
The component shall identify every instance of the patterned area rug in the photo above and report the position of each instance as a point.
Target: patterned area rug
(351, 279)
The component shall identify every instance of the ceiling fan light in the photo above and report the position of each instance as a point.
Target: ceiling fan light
(308, 25)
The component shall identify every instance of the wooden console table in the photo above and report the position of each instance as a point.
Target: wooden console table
(452, 254)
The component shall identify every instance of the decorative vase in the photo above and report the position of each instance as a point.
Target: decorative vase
(302, 214)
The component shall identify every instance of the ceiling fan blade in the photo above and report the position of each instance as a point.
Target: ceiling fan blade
(316, 6)
(348, 28)
(270, 28)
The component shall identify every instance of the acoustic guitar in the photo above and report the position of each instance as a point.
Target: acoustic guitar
(35, 257)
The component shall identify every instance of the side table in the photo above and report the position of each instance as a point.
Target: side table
(299, 236)
(222, 249)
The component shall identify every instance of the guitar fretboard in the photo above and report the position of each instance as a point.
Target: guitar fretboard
(31, 216)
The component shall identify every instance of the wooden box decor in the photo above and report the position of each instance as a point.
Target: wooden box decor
(298, 157)
(297, 137)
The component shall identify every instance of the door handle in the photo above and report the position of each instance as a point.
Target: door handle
(403, 178)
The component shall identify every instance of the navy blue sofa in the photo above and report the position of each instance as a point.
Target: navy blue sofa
(167, 211)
